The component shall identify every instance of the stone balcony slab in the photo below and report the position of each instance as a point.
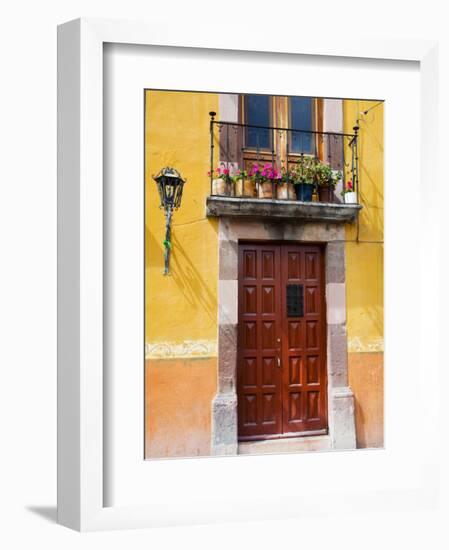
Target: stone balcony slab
(274, 209)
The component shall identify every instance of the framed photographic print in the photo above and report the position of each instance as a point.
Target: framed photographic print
(235, 290)
(267, 315)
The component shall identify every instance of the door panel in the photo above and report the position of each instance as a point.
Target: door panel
(259, 335)
(281, 357)
(304, 394)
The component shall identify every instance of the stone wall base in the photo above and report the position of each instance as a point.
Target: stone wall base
(224, 424)
(343, 424)
(342, 434)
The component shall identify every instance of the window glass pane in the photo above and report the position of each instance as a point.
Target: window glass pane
(301, 118)
(257, 113)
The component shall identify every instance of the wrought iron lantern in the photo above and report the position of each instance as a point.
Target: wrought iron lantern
(169, 185)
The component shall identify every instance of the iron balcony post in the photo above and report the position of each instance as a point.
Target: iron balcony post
(356, 162)
(273, 185)
(352, 163)
(211, 129)
(258, 167)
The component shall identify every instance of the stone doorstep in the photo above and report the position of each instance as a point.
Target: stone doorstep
(286, 445)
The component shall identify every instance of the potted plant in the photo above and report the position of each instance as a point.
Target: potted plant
(285, 188)
(305, 177)
(349, 195)
(326, 179)
(221, 181)
(263, 178)
(243, 185)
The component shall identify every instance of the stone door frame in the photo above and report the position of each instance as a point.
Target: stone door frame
(341, 421)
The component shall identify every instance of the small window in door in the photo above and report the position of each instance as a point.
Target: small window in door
(257, 113)
(301, 114)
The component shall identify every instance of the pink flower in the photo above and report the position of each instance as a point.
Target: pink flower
(226, 171)
(254, 169)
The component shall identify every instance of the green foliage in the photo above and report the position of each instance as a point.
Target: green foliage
(239, 175)
(325, 175)
(304, 171)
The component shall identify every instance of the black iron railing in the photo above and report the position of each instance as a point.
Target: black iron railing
(242, 145)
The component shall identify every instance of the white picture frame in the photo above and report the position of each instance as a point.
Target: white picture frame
(81, 408)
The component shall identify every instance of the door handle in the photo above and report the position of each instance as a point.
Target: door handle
(278, 361)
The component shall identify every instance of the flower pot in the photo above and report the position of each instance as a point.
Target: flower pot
(245, 188)
(291, 192)
(326, 193)
(221, 187)
(265, 190)
(351, 197)
(282, 191)
(285, 191)
(304, 191)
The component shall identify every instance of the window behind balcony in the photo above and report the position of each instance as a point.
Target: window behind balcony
(258, 113)
(301, 117)
(303, 114)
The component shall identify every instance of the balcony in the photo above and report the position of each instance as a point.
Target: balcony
(242, 189)
(281, 209)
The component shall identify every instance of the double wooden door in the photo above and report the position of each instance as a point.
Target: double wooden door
(282, 381)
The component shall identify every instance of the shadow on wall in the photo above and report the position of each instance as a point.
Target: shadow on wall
(154, 251)
(190, 280)
(370, 183)
(359, 424)
(366, 379)
(372, 316)
(364, 262)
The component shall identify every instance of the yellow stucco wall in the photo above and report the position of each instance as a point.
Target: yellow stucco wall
(183, 305)
(364, 276)
(364, 256)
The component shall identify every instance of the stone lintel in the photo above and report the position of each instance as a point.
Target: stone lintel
(231, 230)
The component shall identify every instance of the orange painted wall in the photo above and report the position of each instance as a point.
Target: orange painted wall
(366, 380)
(178, 412)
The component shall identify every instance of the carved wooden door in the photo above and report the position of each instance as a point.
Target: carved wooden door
(281, 341)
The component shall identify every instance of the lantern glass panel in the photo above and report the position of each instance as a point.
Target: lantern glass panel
(169, 190)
